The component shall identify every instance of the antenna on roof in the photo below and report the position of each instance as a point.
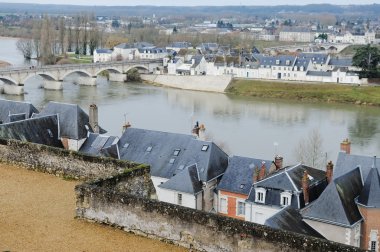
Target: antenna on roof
(374, 162)
(275, 144)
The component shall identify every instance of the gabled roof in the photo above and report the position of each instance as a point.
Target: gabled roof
(186, 181)
(23, 110)
(72, 119)
(43, 130)
(341, 62)
(370, 195)
(290, 219)
(238, 177)
(336, 205)
(95, 143)
(280, 60)
(168, 153)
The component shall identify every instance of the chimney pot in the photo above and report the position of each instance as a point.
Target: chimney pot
(262, 171)
(278, 161)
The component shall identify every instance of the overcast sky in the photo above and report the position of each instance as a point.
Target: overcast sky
(193, 2)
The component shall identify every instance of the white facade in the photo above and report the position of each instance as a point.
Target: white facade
(102, 56)
(296, 36)
(367, 38)
(258, 213)
(73, 144)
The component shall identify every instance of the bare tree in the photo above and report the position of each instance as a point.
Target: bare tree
(36, 34)
(77, 34)
(84, 21)
(61, 35)
(47, 41)
(70, 37)
(25, 46)
(309, 150)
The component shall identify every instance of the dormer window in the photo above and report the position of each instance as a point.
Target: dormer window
(277, 62)
(205, 147)
(260, 195)
(286, 199)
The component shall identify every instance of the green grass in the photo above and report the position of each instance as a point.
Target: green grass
(312, 92)
(80, 59)
(351, 50)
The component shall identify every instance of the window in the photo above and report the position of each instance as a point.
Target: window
(126, 145)
(242, 186)
(286, 198)
(373, 246)
(223, 205)
(205, 147)
(171, 161)
(260, 195)
(179, 199)
(181, 167)
(240, 208)
(149, 149)
(176, 152)
(50, 133)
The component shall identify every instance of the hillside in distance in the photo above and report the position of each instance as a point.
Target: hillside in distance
(362, 10)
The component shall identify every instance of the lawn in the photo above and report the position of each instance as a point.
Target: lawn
(314, 92)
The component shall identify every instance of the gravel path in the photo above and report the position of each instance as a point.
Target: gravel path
(37, 214)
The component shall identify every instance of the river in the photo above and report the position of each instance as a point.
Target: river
(243, 126)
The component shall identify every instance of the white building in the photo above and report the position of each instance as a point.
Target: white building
(102, 55)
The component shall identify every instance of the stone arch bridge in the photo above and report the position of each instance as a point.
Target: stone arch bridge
(53, 75)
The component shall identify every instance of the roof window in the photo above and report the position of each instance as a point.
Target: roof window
(176, 152)
(171, 161)
(126, 145)
(149, 149)
(205, 147)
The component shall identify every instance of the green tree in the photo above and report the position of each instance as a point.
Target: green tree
(367, 58)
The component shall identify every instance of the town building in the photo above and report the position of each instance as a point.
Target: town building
(102, 55)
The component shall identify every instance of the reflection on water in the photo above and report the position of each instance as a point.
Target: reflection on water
(246, 126)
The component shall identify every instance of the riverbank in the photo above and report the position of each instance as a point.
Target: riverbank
(311, 92)
(37, 214)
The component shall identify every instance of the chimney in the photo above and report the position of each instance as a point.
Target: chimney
(329, 171)
(126, 126)
(93, 118)
(374, 162)
(195, 130)
(202, 134)
(345, 146)
(305, 187)
(262, 172)
(256, 174)
(278, 162)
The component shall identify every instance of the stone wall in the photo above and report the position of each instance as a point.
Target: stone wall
(102, 201)
(68, 164)
(191, 82)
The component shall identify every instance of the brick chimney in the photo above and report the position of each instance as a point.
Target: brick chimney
(263, 171)
(93, 118)
(278, 161)
(126, 126)
(329, 171)
(345, 146)
(256, 174)
(195, 130)
(305, 187)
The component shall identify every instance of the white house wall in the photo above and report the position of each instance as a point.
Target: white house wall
(169, 196)
(259, 213)
(156, 182)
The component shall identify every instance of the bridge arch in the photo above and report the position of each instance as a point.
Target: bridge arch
(109, 69)
(45, 76)
(8, 80)
(138, 67)
(80, 72)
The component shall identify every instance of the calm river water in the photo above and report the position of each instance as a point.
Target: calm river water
(243, 126)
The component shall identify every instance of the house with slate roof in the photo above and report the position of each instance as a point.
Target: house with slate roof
(74, 123)
(348, 210)
(99, 145)
(11, 111)
(290, 219)
(294, 186)
(102, 55)
(128, 51)
(184, 169)
(42, 130)
(235, 185)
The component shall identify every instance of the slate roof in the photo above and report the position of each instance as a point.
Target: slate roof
(345, 62)
(19, 110)
(238, 177)
(180, 45)
(95, 144)
(280, 60)
(370, 195)
(290, 219)
(290, 179)
(134, 45)
(186, 181)
(336, 205)
(72, 119)
(105, 51)
(319, 73)
(43, 130)
(349, 162)
(158, 149)
(317, 58)
(197, 59)
(152, 50)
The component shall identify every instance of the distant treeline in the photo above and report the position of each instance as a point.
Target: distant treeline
(368, 10)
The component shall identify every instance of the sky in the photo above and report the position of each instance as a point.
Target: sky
(192, 2)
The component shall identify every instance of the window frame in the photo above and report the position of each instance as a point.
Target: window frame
(259, 191)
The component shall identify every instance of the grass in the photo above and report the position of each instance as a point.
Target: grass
(312, 92)
(75, 59)
(351, 50)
